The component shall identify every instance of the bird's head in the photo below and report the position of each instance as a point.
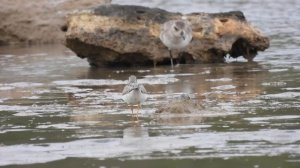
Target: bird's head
(132, 79)
(179, 29)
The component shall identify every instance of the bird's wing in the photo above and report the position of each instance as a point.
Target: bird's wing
(164, 28)
(130, 87)
(143, 90)
(162, 31)
(126, 90)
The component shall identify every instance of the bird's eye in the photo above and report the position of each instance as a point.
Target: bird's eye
(175, 28)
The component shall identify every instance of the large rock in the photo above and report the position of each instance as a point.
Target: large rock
(37, 21)
(129, 35)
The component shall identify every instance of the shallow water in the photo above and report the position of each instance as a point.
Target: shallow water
(56, 111)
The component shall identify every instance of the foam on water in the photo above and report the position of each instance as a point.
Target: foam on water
(219, 80)
(58, 126)
(286, 117)
(74, 89)
(274, 84)
(291, 89)
(278, 70)
(9, 86)
(34, 109)
(280, 142)
(284, 95)
(223, 87)
(6, 87)
(89, 82)
(153, 80)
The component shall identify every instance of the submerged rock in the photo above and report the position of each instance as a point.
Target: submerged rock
(182, 105)
(112, 35)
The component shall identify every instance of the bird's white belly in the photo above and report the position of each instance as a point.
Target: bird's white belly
(134, 97)
(179, 45)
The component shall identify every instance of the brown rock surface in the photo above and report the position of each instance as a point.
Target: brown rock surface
(111, 35)
(37, 21)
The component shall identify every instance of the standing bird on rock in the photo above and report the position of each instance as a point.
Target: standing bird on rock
(176, 34)
(134, 94)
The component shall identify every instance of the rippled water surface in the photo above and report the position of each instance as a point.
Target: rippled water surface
(56, 111)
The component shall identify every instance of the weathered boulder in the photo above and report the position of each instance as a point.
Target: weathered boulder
(111, 35)
(37, 21)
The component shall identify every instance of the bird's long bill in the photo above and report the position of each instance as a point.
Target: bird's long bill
(182, 35)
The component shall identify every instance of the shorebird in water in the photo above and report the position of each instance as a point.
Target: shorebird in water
(134, 94)
(176, 34)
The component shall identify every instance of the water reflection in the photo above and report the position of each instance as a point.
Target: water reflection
(136, 133)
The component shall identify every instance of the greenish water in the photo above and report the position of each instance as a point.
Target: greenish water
(56, 111)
